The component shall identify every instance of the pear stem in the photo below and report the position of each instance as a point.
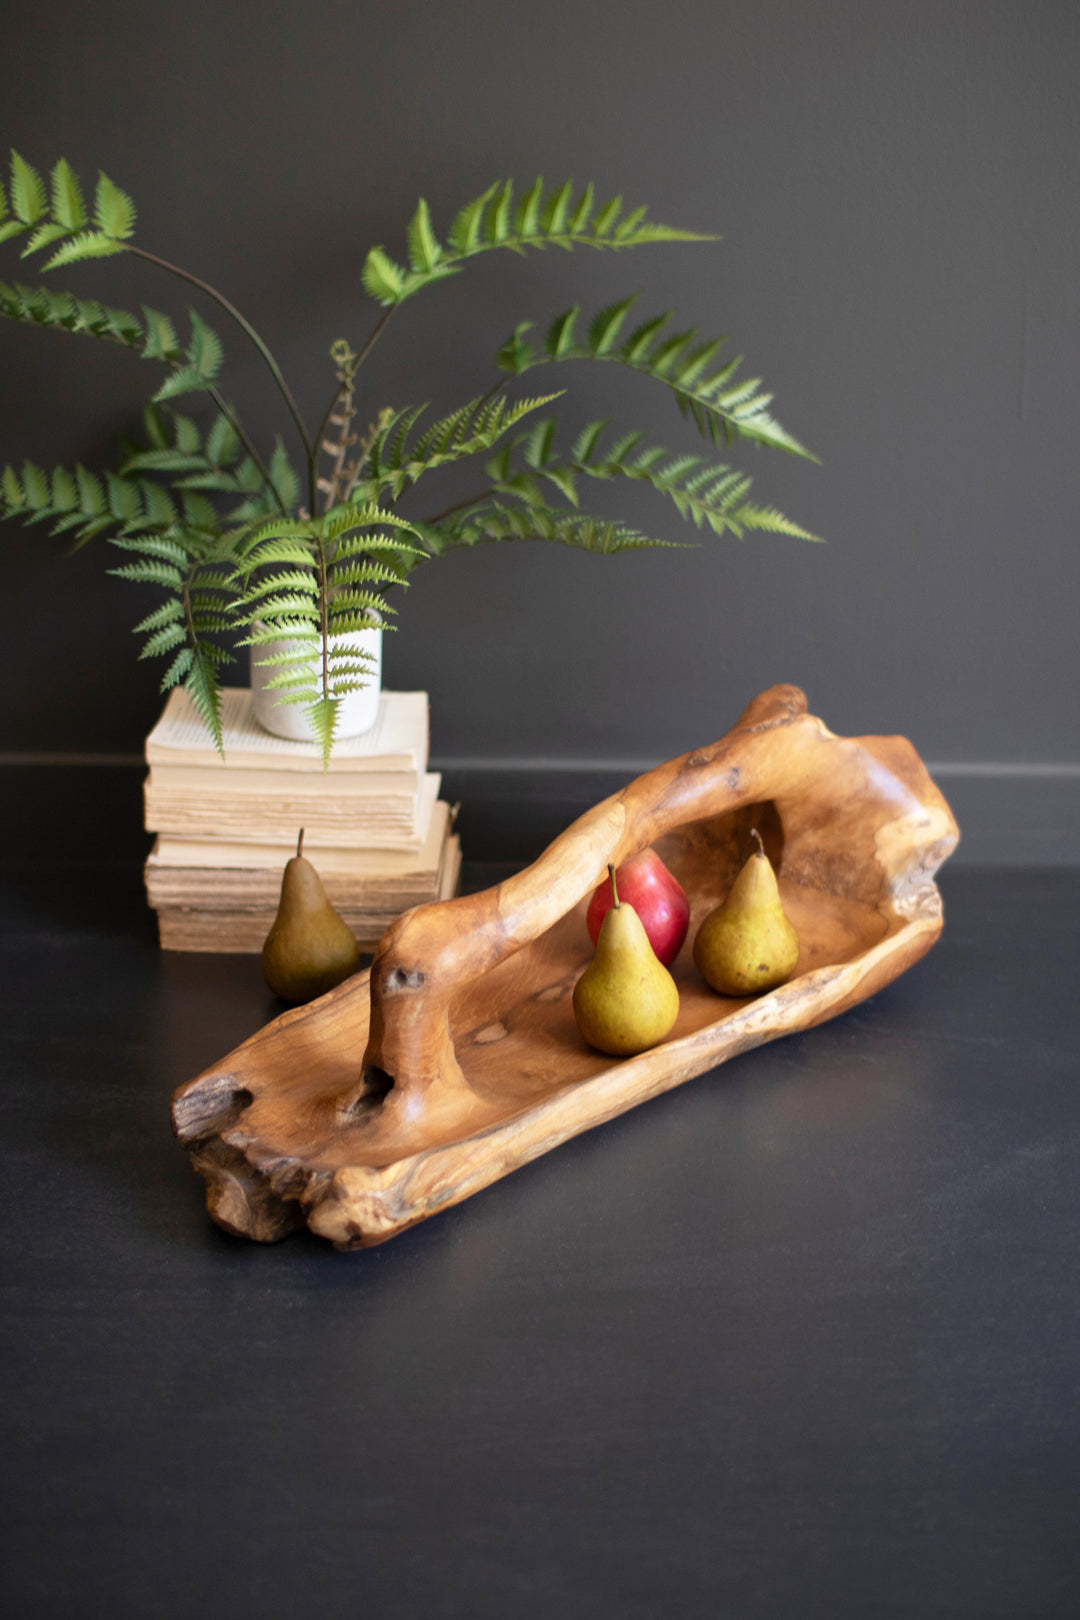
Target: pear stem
(615, 901)
(300, 844)
(760, 846)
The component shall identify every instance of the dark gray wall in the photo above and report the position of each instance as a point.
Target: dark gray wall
(896, 190)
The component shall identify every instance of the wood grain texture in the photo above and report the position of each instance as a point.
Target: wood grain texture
(456, 1058)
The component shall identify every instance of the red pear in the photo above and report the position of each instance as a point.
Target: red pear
(659, 900)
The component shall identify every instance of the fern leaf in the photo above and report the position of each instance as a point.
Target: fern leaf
(65, 492)
(198, 511)
(583, 211)
(424, 249)
(605, 327)
(497, 227)
(91, 494)
(172, 609)
(150, 572)
(68, 207)
(637, 344)
(187, 435)
(516, 354)
(383, 279)
(527, 213)
(222, 442)
(27, 191)
(35, 486)
(163, 640)
(163, 461)
(559, 341)
(44, 236)
(178, 668)
(553, 223)
(607, 216)
(205, 351)
(772, 522)
(284, 478)
(154, 545)
(464, 234)
(586, 442)
(114, 211)
(87, 245)
(184, 380)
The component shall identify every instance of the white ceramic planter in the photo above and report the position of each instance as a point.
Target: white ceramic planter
(358, 709)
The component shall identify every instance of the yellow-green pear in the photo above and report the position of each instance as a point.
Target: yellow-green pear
(747, 944)
(626, 1000)
(309, 948)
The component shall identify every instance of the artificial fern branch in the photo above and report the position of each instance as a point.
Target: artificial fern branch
(539, 220)
(721, 408)
(245, 326)
(497, 521)
(707, 493)
(303, 582)
(114, 218)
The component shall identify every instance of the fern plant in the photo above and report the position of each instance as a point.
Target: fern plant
(254, 548)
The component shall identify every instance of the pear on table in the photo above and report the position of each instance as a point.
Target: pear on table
(747, 944)
(626, 1000)
(309, 948)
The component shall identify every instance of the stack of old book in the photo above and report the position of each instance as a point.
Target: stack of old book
(374, 826)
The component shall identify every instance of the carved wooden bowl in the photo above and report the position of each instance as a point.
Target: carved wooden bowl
(457, 1058)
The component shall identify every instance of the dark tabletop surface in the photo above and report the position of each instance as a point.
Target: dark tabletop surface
(799, 1338)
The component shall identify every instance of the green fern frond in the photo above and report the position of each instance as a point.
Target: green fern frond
(720, 412)
(496, 521)
(203, 688)
(473, 429)
(154, 338)
(493, 221)
(306, 581)
(706, 493)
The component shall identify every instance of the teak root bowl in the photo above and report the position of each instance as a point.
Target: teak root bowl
(456, 1059)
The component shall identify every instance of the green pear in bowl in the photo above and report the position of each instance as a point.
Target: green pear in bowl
(747, 944)
(626, 1000)
(309, 948)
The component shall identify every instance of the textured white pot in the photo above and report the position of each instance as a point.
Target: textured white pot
(358, 709)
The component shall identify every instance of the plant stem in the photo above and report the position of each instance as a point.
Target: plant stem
(471, 500)
(234, 422)
(502, 383)
(245, 326)
(375, 335)
(324, 605)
